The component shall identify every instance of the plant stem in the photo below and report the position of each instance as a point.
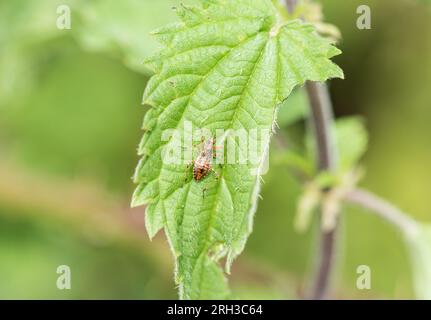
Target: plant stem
(383, 209)
(321, 123)
(290, 5)
(322, 119)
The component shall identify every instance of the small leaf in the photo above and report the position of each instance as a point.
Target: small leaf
(226, 65)
(313, 13)
(352, 141)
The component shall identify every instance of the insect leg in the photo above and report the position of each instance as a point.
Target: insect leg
(217, 176)
(192, 162)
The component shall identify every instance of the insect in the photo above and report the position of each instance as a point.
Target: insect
(202, 165)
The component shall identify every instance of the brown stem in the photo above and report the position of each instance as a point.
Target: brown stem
(290, 5)
(322, 119)
(321, 123)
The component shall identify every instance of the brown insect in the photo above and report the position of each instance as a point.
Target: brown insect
(202, 166)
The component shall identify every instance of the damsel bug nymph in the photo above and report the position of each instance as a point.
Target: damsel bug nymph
(203, 163)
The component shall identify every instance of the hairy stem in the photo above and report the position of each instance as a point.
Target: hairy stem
(383, 209)
(322, 119)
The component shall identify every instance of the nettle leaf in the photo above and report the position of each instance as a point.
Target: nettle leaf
(226, 65)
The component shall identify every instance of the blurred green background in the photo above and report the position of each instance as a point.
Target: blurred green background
(70, 117)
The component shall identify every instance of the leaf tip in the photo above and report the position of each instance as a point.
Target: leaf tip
(136, 202)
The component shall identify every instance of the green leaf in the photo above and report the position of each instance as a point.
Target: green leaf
(419, 246)
(226, 65)
(127, 33)
(352, 141)
(295, 160)
(293, 109)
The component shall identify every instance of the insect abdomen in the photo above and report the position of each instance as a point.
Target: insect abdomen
(200, 171)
